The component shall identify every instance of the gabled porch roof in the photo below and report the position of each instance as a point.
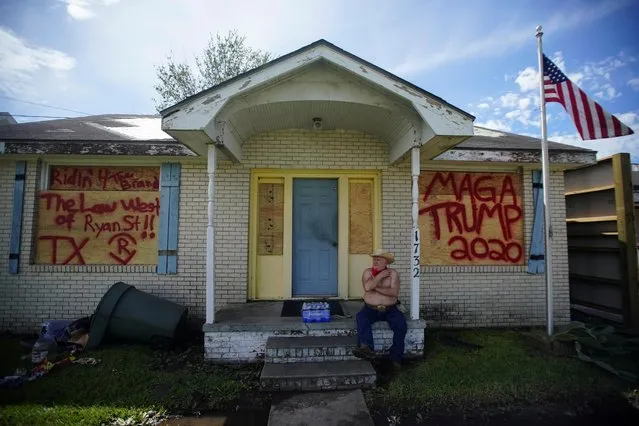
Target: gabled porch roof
(317, 81)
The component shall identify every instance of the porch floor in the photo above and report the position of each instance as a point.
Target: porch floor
(265, 316)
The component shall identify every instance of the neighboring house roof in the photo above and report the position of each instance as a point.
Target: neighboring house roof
(489, 139)
(107, 127)
(108, 134)
(126, 134)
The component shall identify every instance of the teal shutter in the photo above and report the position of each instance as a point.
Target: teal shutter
(536, 262)
(169, 218)
(16, 221)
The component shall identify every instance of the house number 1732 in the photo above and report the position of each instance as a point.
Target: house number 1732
(415, 253)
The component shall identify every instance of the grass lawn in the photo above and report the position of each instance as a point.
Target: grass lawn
(129, 382)
(487, 369)
(501, 371)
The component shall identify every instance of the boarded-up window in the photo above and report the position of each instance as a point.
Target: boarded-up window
(271, 219)
(471, 218)
(360, 219)
(99, 216)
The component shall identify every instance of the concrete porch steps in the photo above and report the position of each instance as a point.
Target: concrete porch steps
(314, 376)
(309, 349)
(314, 363)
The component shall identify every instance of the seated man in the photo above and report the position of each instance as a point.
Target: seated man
(381, 288)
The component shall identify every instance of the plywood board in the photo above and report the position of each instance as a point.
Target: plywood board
(471, 218)
(98, 228)
(360, 218)
(108, 178)
(271, 219)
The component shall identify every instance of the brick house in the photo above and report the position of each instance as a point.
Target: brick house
(274, 186)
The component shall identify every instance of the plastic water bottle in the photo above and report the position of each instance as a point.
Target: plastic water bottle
(309, 310)
(327, 313)
(306, 312)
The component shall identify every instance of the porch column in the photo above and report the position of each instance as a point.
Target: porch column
(415, 271)
(210, 237)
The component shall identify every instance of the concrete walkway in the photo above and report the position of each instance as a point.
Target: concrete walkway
(343, 408)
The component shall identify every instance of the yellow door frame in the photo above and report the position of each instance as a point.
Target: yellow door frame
(343, 178)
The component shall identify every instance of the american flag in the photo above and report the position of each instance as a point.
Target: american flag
(592, 121)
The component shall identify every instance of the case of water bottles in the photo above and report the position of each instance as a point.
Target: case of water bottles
(316, 312)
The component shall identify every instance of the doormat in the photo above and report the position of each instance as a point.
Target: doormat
(293, 308)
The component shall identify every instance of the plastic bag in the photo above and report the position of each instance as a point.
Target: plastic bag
(41, 349)
(55, 329)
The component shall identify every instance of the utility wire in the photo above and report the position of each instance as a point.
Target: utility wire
(44, 105)
(38, 116)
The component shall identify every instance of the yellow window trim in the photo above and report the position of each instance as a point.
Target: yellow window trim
(344, 177)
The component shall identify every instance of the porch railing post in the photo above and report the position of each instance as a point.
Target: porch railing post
(210, 238)
(415, 242)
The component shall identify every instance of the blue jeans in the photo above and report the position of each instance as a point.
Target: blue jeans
(396, 321)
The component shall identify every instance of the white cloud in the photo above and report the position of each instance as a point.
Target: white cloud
(483, 105)
(524, 103)
(21, 64)
(509, 100)
(85, 9)
(630, 119)
(558, 59)
(495, 125)
(634, 83)
(576, 77)
(528, 79)
(608, 93)
(512, 115)
(523, 116)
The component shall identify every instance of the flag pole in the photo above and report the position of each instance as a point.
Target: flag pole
(545, 170)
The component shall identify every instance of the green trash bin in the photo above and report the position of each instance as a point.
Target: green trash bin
(128, 314)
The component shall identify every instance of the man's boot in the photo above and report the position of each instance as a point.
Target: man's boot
(364, 352)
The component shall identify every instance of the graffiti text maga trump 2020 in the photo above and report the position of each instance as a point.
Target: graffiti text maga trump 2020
(471, 218)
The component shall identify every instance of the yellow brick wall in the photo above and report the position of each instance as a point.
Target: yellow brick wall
(453, 296)
(41, 292)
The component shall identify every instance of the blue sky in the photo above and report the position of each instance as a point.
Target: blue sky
(98, 56)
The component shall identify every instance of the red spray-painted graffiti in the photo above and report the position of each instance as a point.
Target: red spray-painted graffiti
(471, 218)
(97, 227)
(104, 178)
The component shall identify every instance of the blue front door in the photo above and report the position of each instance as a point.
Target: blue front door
(314, 237)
